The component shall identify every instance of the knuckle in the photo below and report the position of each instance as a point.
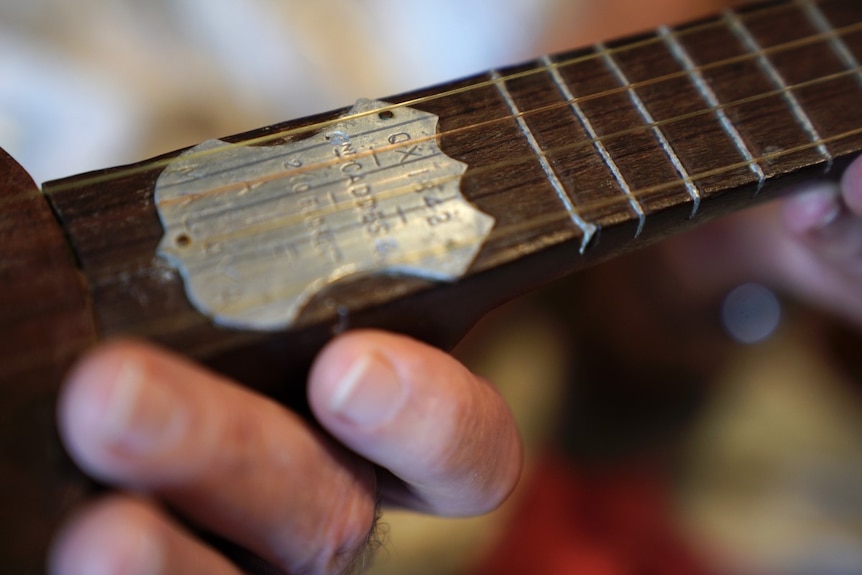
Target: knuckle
(236, 443)
(345, 529)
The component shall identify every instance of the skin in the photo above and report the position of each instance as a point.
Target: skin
(169, 434)
(808, 245)
(174, 435)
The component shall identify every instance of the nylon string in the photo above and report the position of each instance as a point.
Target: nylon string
(595, 55)
(560, 215)
(289, 219)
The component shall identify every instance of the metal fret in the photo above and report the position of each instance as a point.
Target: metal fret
(738, 28)
(822, 24)
(566, 93)
(684, 58)
(589, 230)
(648, 118)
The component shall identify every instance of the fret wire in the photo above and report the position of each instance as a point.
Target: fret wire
(547, 219)
(646, 192)
(658, 188)
(567, 94)
(288, 219)
(571, 146)
(156, 164)
(822, 24)
(588, 230)
(124, 172)
(161, 163)
(728, 61)
(162, 327)
(621, 89)
(539, 221)
(621, 77)
(575, 101)
(745, 36)
(684, 58)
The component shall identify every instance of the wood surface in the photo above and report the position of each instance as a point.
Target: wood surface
(112, 222)
(45, 322)
(659, 140)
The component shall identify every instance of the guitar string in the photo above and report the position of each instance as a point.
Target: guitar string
(123, 172)
(281, 135)
(613, 200)
(540, 222)
(590, 142)
(289, 219)
(535, 223)
(293, 218)
(191, 319)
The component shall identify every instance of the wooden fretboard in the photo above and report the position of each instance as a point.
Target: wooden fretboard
(577, 157)
(636, 138)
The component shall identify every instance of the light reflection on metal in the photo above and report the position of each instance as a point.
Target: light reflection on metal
(257, 231)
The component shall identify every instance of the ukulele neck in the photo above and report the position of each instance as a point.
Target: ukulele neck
(629, 141)
(576, 157)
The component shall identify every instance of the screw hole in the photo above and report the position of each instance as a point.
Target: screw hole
(386, 115)
(183, 240)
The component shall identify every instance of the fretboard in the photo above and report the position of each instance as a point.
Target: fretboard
(577, 157)
(637, 138)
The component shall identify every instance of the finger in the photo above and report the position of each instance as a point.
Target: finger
(820, 218)
(229, 460)
(125, 536)
(415, 411)
(812, 209)
(852, 187)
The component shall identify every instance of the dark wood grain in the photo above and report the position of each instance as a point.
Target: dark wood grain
(114, 227)
(46, 321)
(55, 301)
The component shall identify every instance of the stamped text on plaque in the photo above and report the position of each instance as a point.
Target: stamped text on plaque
(256, 231)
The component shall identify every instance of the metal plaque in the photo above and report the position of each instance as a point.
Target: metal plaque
(256, 231)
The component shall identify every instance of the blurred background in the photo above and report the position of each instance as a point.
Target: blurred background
(689, 454)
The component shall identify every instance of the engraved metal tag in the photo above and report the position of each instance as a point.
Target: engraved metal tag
(257, 231)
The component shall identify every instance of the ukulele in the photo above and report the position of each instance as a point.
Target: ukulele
(417, 213)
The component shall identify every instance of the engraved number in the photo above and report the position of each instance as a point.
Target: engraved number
(385, 247)
(431, 201)
(437, 219)
(299, 184)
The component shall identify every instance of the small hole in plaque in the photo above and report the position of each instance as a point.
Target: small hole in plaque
(183, 240)
(386, 115)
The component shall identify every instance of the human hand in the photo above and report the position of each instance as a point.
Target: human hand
(823, 259)
(808, 244)
(183, 442)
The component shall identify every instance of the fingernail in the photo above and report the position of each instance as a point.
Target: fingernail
(369, 393)
(813, 210)
(130, 551)
(140, 416)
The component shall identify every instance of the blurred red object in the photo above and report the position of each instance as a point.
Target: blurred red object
(613, 519)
